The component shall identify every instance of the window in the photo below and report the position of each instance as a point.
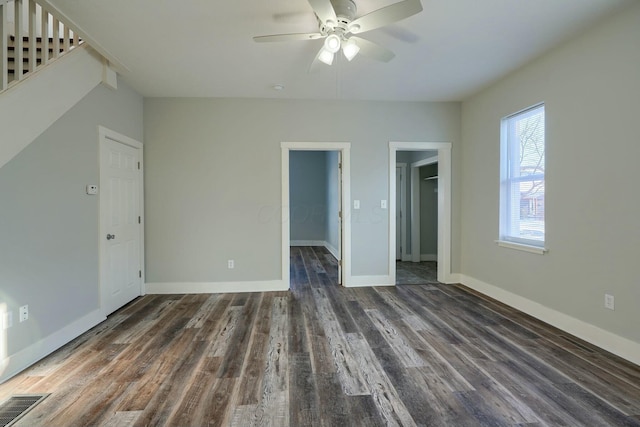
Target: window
(522, 163)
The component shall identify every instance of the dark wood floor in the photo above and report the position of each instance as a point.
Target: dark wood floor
(429, 355)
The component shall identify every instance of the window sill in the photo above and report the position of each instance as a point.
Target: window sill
(522, 247)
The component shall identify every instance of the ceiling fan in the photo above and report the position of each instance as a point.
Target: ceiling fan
(337, 24)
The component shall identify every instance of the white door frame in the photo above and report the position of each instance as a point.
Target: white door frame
(345, 244)
(444, 203)
(403, 209)
(104, 134)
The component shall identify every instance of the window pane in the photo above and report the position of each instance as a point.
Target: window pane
(522, 197)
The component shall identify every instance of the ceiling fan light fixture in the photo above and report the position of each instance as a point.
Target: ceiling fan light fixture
(350, 49)
(325, 56)
(332, 43)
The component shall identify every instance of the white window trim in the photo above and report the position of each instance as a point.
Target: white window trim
(522, 247)
(532, 246)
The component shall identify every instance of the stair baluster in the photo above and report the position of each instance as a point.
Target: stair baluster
(18, 45)
(25, 44)
(4, 48)
(45, 40)
(33, 51)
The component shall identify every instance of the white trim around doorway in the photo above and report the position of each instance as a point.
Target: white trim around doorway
(344, 148)
(444, 204)
(103, 135)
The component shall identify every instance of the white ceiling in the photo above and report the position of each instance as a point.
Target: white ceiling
(202, 48)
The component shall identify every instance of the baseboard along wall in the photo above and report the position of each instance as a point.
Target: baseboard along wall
(16, 363)
(606, 340)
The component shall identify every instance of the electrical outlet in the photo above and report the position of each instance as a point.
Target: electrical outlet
(609, 302)
(230, 264)
(92, 189)
(24, 313)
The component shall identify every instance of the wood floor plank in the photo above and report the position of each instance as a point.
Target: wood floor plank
(346, 367)
(273, 409)
(303, 393)
(123, 419)
(250, 385)
(233, 361)
(193, 404)
(198, 319)
(407, 355)
(385, 398)
(324, 355)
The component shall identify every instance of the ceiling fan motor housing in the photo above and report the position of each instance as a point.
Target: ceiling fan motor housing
(345, 11)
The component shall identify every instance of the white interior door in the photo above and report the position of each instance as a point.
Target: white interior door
(120, 223)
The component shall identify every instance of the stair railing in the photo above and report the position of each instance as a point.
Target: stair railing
(30, 38)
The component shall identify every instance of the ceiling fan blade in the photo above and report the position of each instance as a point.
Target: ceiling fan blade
(384, 16)
(287, 37)
(324, 10)
(373, 50)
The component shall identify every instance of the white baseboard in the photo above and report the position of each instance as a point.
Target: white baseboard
(451, 278)
(423, 257)
(215, 287)
(364, 281)
(26, 357)
(623, 347)
(307, 243)
(332, 250)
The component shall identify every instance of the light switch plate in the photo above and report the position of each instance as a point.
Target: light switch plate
(383, 204)
(356, 204)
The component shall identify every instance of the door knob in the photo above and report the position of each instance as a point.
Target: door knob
(111, 236)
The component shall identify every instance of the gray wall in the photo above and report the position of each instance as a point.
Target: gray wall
(49, 226)
(202, 208)
(591, 88)
(308, 195)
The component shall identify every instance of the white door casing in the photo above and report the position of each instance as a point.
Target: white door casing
(444, 203)
(345, 192)
(121, 211)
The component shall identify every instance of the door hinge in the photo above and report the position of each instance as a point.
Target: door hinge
(139, 220)
(340, 214)
(138, 165)
(340, 165)
(340, 262)
(140, 274)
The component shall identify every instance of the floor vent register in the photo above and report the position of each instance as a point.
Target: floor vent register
(14, 408)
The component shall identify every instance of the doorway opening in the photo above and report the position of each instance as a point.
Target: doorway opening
(424, 215)
(315, 201)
